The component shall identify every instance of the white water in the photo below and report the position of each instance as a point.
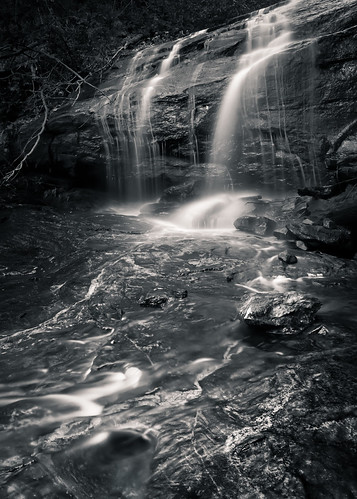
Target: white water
(267, 36)
(145, 143)
(217, 212)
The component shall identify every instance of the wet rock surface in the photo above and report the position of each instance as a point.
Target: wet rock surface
(320, 236)
(279, 313)
(203, 404)
(317, 74)
(151, 300)
(261, 226)
(287, 258)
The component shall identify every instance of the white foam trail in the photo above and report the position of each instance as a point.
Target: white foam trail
(84, 401)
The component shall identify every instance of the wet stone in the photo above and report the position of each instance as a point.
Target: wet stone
(261, 226)
(317, 236)
(279, 313)
(301, 245)
(321, 192)
(287, 258)
(281, 234)
(329, 224)
(154, 301)
(302, 206)
(180, 293)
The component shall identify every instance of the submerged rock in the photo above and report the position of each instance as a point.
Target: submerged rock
(279, 313)
(180, 293)
(261, 226)
(153, 301)
(110, 463)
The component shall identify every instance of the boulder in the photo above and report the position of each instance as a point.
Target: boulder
(261, 226)
(279, 313)
(287, 258)
(319, 237)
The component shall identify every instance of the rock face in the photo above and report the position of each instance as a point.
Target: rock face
(279, 313)
(305, 100)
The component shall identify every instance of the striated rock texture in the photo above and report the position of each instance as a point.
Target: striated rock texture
(299, 120)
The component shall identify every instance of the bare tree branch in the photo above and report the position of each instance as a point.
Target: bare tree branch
(11, 175)
(83, 80)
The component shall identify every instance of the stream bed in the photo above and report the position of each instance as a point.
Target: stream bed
(126, 372)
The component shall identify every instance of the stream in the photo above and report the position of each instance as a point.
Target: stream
(126, 371)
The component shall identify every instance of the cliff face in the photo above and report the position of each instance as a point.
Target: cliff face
(158, 123)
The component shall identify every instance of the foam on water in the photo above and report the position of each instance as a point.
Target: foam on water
(215, 212)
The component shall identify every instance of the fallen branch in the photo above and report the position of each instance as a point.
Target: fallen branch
(9, 176)
(348, 130)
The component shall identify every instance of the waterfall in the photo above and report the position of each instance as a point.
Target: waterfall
(146, 147)
(116, 122)
(267, 37)
(133, 154)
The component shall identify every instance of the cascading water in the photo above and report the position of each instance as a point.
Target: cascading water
(146, 146)
(132, 151)
(267, 37)
(116, 125)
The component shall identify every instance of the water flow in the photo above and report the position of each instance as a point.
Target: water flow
(146, 147)
(267, 36)
(144, 140)
(115, 121)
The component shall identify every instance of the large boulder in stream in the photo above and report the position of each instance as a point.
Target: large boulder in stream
(260, 226)
(326, 236)
(305, 96)
(279, 313)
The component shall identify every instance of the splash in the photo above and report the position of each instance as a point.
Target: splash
(213, 212)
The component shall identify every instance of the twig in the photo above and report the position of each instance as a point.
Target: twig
(14, 172)
(81, 78)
